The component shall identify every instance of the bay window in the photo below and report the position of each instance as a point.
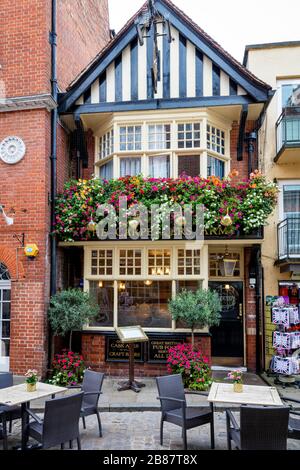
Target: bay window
(188, 135)
(189, 165)
(162, 149)
(130, 166)
(215, 167)
(159, 136)
(215, 139)
(106, 144)
(130, 138)
(106, 170)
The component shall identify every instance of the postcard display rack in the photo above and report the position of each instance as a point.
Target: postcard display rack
(286, 341)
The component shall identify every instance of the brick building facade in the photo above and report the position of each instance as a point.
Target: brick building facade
(199, 84)
(25, 105)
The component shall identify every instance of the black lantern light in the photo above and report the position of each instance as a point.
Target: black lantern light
(227, 264)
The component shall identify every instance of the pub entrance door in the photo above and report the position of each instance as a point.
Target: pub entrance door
(228, 337)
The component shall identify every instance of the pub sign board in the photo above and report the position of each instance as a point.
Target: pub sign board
(158, 348)
(155, 351)
(116, 351)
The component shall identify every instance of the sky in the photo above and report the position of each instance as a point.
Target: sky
(232, 23)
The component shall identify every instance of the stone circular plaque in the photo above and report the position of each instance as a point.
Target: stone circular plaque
(12, 150)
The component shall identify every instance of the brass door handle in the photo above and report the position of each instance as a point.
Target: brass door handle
(241, 310)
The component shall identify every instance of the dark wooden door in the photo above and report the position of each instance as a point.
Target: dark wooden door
(227, 338)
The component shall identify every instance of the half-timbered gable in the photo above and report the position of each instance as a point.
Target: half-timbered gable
(171, 64)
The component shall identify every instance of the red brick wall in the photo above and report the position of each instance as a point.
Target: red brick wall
(93, 351)
(25, 52)
(83, 30)
(25, 70)
(250, 316)
(241, 166)
(24, 47)
(24, 192)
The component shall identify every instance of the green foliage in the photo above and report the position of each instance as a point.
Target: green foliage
(248, 202)
(192, 365)
(70, 310)
(68, 369)
(198, 309)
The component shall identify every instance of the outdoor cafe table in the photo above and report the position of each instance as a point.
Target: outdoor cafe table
(18, 395)
(251, 395)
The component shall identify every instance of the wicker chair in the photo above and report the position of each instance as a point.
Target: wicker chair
(261, 428)
(175, 410)
(294, 420)
(13, 412)
(91, 387)
(60, 423)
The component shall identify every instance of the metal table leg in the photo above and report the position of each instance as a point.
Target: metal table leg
(25, 422)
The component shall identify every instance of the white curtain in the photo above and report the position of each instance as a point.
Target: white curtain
(157, 137)
(159, 167)
(130, 166)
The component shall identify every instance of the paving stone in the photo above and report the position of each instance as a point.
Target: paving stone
(130, 430)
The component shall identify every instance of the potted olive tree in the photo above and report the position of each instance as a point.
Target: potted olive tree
(200, 309)
(70, 310)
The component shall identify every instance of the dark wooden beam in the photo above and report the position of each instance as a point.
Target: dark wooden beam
(241, 140)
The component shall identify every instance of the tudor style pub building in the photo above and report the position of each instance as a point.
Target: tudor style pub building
(161, 98)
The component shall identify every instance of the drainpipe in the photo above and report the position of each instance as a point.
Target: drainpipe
(53, 157)
(250, 139)
(258, 292)
(53, 164)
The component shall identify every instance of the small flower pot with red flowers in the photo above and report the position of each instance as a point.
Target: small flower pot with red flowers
(68, 369)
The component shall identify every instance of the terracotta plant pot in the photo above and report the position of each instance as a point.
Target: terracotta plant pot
(237, 387)
(30, 387)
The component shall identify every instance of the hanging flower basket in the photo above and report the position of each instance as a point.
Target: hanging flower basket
(246, 204)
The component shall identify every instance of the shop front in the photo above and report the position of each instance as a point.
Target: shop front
(132, 284)
(160, 117)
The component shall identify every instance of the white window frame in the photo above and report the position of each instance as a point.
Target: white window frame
(217, 128)
(160, 155)
(122, 157)
(173, 119)
(209, 155)
(106, 161)
(279, 84)
(156, 148)
(192, 123)
(4, 360)
(126, 126)
(231, 250)
(281, 184)
(173, 277)
(109, 136)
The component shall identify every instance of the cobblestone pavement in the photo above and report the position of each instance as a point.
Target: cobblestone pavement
(140, 431)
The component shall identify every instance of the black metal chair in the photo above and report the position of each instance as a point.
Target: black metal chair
(3, 431)
(261, 428)
(60, 423)
(294, 419)
(91, 387)
(174, 408)
(13, 412)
